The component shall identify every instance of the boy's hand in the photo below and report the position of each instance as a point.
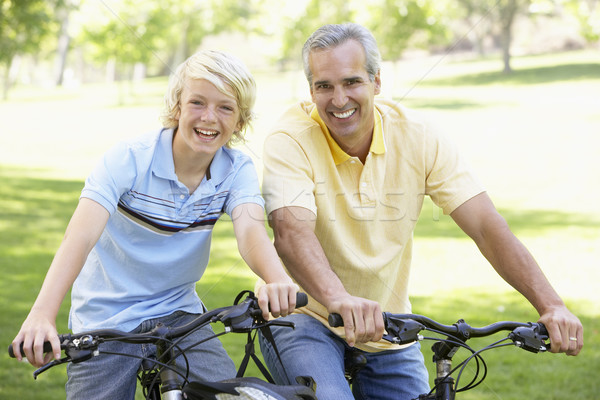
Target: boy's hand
(277, 298)
(36, 330)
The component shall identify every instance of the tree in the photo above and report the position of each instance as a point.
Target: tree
(15, 39)
(506, 13)
(63, 12)
(191, 21)
(502, 14)
(123, 33)
(396, 24)
(587, 13)
(316, 14)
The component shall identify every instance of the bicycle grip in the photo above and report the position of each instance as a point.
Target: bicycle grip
(301, 299)
(11, 353)
(335, 320)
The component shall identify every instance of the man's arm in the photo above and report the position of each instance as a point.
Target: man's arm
(301, 252)
(479, 219)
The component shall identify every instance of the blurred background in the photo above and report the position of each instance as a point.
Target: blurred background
(515, 83)
(74, 42)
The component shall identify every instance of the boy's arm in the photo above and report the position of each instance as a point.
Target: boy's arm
(82, 233)
(256, 248)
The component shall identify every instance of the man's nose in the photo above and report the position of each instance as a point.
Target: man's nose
(339, 97)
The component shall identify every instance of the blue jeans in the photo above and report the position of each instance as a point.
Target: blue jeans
(115, 377)
(312, 349)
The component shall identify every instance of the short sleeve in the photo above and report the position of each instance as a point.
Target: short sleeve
(112, 176)
(244, 187)
(287, 175)
(449, 181)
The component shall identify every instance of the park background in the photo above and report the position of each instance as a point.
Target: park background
(515, 83)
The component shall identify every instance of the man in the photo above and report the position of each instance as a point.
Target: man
(344, 181)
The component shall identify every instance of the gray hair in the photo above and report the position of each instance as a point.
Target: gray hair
(333, 35)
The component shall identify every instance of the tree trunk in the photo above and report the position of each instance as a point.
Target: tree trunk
(506, 39)
(508, 10)
(63, 47)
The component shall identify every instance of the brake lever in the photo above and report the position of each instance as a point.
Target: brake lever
(402, 331)
(49, 365)
(240, 318)
(278, 322)
(529, 338)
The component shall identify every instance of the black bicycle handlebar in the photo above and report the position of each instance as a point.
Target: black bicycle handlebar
(405, 328)
(239, 317)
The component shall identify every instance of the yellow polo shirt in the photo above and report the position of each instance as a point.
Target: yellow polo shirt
(366, 214)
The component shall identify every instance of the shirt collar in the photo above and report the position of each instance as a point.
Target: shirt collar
(164, 166)
(339, 155)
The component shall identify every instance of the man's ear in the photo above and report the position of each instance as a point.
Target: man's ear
(377, 83)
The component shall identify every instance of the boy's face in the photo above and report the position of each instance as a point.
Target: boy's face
(343, 93)
(207, 117)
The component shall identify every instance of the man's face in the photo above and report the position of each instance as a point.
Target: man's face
(343, 93)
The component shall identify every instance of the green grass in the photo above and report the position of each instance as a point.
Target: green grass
(532, 138)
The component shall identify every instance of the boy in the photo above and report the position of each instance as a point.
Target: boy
(139, 239)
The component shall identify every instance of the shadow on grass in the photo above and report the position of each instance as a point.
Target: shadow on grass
(440, 103)
(433, 224)
(523, 76)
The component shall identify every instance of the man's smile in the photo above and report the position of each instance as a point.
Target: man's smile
(345, 114)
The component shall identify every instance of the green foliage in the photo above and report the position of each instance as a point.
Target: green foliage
(316, 14)
(23, 26)
(396, 24)
(128, 34)
(160, 34)
(587, 13)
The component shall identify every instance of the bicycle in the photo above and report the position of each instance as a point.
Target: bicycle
(159, 378)
(406, 329)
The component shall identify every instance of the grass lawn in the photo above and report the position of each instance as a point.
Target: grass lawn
(532, 138)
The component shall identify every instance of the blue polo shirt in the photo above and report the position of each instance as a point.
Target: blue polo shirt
(156, 243)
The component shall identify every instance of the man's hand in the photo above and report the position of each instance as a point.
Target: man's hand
(565, 330)
(363, 320)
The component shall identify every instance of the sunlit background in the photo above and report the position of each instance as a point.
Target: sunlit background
(515, 83)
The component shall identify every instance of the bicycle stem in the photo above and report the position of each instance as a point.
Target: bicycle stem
(170, 386)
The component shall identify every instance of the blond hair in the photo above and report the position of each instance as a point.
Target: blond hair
(223, 70)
